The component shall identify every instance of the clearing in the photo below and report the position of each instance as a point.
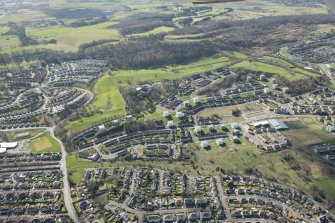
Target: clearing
(44, 143)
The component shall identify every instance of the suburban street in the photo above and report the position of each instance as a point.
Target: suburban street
(66, 185)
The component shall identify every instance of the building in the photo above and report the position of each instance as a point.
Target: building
(170, 124)
(7, 145)
(267, 90)
(197, 129)
(102, 128)
(166, 113)
(179, 114)
(330, 128)
(220, 142)
(235, 125)
(278, 125)
(196, 100)
(204, 144)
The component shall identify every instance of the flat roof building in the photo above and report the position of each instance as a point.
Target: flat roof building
(278, 124)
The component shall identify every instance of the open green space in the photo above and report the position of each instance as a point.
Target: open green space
(11, 136)
(296, 125)
(69, 39)
(263, 67)
(307, 131)
(44, 143)
(158, 30)
(327, 186)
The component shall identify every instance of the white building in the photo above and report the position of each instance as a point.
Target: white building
(267, 90)
(170, 124)
(179, 114)
(102, 128)
(220, 142)
(330, 128)
(166, 113)
(204, 144)
(7, 145)
(197, 129)
(235, 125)
(196, 100)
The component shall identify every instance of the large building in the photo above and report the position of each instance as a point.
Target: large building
(7, 145)
(278, 124)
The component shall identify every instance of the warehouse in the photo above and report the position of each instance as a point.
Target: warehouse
(278, 125)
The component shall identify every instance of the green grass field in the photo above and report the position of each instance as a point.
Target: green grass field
(327, 186)
(306, 132)
(69, 39)
(263, 67)
(44, 143)
(158, 30)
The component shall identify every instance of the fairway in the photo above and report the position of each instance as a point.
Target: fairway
(44, 143)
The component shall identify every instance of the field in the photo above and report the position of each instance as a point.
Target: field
(162, 29)
(295, 74)
(69, 39)
(12, 136)
(44, 143)
(225, 113)
(306, 132)
(327, 186)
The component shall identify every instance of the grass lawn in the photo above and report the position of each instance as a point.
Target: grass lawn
(20, 134)
(158, 30)
(44, 143)
(263, 67)
(106, 89)
(69, 39)
(306, 132)
(225, 113)
(327, 186)
(296, 125)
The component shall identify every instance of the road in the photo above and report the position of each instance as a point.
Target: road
(223, 198)
(325, 70)
(66, 185)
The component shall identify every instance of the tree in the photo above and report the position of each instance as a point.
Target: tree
(236, 112)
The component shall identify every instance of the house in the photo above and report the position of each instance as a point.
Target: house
(179, 114)
(220, 142)
(330, 128)
(235, 125)
(181, 218)
(102, 128)
(196, 100)
(170, 124)
(168, 218)
(204, 144)
(197, 129)
(166, 113)
(153, 219)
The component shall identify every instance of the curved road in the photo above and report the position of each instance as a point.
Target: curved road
(66, 186)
